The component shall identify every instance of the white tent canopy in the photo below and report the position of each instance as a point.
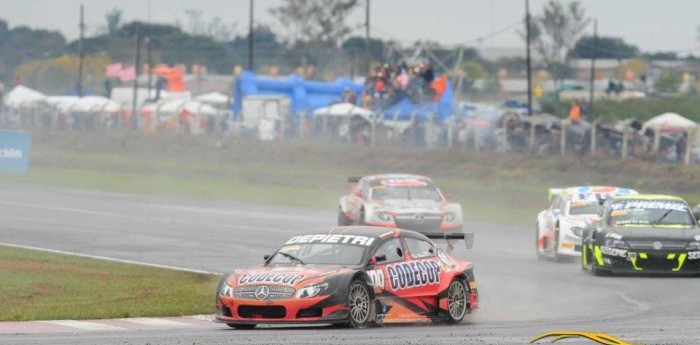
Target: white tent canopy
(669, 122)
(90, 104)
(176, 106)
(344, 109)
(215, 98)
(62, 103)
(87, 104)
(199, 108)
(164, 107)
(23, 96)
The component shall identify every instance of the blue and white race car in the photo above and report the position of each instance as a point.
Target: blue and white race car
(559, 228)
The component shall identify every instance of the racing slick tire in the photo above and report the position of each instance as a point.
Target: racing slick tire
(598, 272)
(457, 301)
(585, 255)
(591, 267)
(555, 249)
(343, 220)
(241, 325)
(537, 242)
(360, 304)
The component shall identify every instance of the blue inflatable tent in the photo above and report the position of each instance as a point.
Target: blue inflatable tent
(404, 109)
(305, 96)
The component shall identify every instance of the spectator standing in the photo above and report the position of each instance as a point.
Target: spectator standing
(575, 112)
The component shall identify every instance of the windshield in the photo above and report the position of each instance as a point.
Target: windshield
(323, 249)
(649, 213)
(583, 207)
(415, 193)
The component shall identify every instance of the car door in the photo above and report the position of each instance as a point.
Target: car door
(356, 198)
(382, 269)
(420, 283)
(552, 216)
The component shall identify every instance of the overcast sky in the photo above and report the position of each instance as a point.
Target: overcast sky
(653, 25)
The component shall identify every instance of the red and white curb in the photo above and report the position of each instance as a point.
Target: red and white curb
(108, 325)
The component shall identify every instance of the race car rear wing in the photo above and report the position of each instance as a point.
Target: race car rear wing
(352, 183)
(553, 192)
(467, 237)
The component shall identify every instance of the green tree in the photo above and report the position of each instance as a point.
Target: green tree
(474, 70)
(356, 45)
(554, 33)
(668, 82)
(114, 20)
(316, 21)
(23, 44)
(605, 48)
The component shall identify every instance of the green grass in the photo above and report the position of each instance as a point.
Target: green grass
(641, 109)
(504, 188)
(43, 286)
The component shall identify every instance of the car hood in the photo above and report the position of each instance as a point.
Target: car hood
(584, 219)
(411, 205)
(659, 233)
(285, 275)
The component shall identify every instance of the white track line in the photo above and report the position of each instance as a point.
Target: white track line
(138, 218)
(151, 321)
(83, 325)
(104, 258)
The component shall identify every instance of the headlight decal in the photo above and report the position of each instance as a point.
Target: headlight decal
(312, 290)
(614, 243)
(384, 216)
(227, 290)
(598, 256)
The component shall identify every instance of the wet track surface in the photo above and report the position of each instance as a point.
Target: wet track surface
(520, 296)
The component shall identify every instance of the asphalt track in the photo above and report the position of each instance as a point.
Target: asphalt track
(520, 296)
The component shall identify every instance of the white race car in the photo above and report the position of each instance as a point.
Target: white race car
(411, 202)
(558, 230)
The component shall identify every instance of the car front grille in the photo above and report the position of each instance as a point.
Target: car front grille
(650, 245)
(262, 312)
(657, 262)
(276, 292)
(418, 221)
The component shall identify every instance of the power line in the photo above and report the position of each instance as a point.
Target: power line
(472, 40)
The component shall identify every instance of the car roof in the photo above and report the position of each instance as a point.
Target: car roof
(648, 197)
(372, 231)
(396, 176)
(589, 192)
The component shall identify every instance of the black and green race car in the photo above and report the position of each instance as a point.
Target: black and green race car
(648, 234)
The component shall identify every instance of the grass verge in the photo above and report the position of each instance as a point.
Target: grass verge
(504, 188)
(46, 286)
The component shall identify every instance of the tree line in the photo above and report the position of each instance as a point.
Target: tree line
(316, 33)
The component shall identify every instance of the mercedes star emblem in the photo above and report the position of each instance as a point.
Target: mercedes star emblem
(419, 218)
(262, 292)
(657, 245)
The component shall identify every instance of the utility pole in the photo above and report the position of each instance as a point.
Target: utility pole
(367, 56)
(250, 38)
(81, 52)
(593, 56)
(149, 57)
(528, 61)
(137, 61)
(149, 61)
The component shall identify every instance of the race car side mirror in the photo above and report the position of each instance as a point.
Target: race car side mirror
(379, 258)
(696, 212)
(266, 257)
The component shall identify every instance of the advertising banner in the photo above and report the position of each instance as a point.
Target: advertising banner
(14, 152)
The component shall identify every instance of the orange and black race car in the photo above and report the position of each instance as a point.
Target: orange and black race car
(354, 275)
